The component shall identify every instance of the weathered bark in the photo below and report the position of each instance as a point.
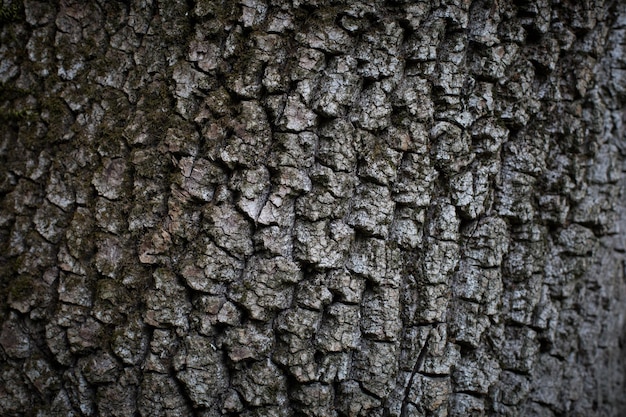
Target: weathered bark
(320, 208)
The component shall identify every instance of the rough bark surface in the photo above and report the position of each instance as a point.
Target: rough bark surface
(312, 208)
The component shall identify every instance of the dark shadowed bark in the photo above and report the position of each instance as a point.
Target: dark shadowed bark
(312, 208)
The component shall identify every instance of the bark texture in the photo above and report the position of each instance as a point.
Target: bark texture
(312, 208)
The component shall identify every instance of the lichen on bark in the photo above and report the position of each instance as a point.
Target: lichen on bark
(321, 208)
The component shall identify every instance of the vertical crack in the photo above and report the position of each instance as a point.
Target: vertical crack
(418, 364)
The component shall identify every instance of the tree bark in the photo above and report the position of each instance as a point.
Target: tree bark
(320, 208)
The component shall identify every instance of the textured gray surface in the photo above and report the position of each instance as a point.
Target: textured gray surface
(272, 208)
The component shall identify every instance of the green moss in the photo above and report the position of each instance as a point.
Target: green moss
(10, 92)
(10, 13)
(21, 288)
(14, 115)
(58, 118)
(10, 112)
(157, 102)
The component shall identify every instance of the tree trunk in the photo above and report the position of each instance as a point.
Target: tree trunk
(312, 208)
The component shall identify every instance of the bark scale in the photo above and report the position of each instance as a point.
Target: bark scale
(322, 208)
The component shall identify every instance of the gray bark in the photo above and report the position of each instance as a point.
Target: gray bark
(321, 208)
